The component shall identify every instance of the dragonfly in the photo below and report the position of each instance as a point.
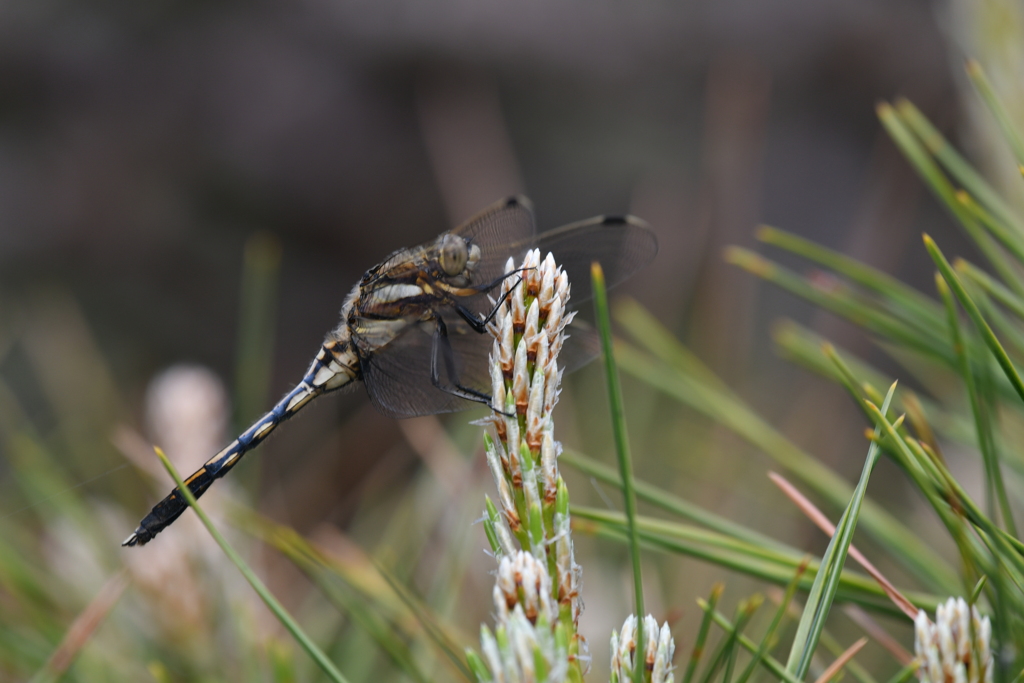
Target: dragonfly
(412, 330)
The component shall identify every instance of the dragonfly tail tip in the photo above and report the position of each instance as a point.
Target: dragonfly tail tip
(131, 541)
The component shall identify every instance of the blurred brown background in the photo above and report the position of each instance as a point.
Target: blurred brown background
(143, 146)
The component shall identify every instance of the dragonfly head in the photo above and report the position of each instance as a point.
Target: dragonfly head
(456, 255)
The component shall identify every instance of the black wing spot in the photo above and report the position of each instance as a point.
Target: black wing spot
(518, 200)
(615, 220)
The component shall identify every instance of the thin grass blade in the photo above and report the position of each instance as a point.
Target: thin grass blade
(702, 633)
(325, 664)
(901, 542)
(618, 416)
(82, 629)
(726, 650)
(995, 105)
(770, 663)
(822, 522)
(982, 418)
(671, 503)
(989, 337)
(841, 661)
(823, 592)
(768, 639)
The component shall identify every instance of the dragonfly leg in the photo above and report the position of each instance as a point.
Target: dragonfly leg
(479, 325)
(484, 289)
(442, 346)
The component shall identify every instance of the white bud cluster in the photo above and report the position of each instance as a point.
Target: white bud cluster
(536, 592)
(523, 581)
(956, 648)
(659, 648)
(525, 648)
(529, 331)
(522, 652)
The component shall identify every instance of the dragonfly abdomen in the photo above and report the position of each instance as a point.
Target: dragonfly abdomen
(335, 366)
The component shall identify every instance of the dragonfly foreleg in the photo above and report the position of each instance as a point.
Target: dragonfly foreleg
(479, 325)
(442, 346)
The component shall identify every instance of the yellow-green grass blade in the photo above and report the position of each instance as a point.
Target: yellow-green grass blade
(942, 489)
(906, 673)
(745, 558)
(987, 335)
(1007, 236)
(406, 616)
(991, 286)
(770, 663)
(652, 526)
(1009, 330)
(907, 301)
(923, 472)
(995, 105)
(724, 653)
(844, 302)
(430, 623)
(768, 639)
(702, 633)
(959, 168)
(855, 308)
(650, 334)
(671, 503)
(618, 415)
(369, 618)
(902, 543)
(307, 644)
(804, 347)
(926, 167)
(826, 583)
(982, 417)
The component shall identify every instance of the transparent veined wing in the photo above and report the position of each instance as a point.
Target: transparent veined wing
(621, 244)
(501, 230)
(398, 378)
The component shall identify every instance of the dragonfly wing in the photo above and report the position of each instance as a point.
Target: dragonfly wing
(622, 245)
(397, 376)
(501, 230)
(582, 345)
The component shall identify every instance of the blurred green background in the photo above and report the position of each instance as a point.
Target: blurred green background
(197, 186)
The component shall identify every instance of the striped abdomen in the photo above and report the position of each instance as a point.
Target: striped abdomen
(334, 366)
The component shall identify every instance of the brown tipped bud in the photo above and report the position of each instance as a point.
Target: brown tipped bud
(506, 350)
(532, 275)
(542, 357)
(497, 379)
(518, 305)
(534, 413)
(553, 323)
(522, 580)
(530, 332)
(547, 284)
(520, 380)
(508, 506)
(552, 382)
(549, 466)
(562, 286)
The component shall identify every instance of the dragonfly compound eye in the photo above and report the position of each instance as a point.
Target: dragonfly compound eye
(454, 254)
